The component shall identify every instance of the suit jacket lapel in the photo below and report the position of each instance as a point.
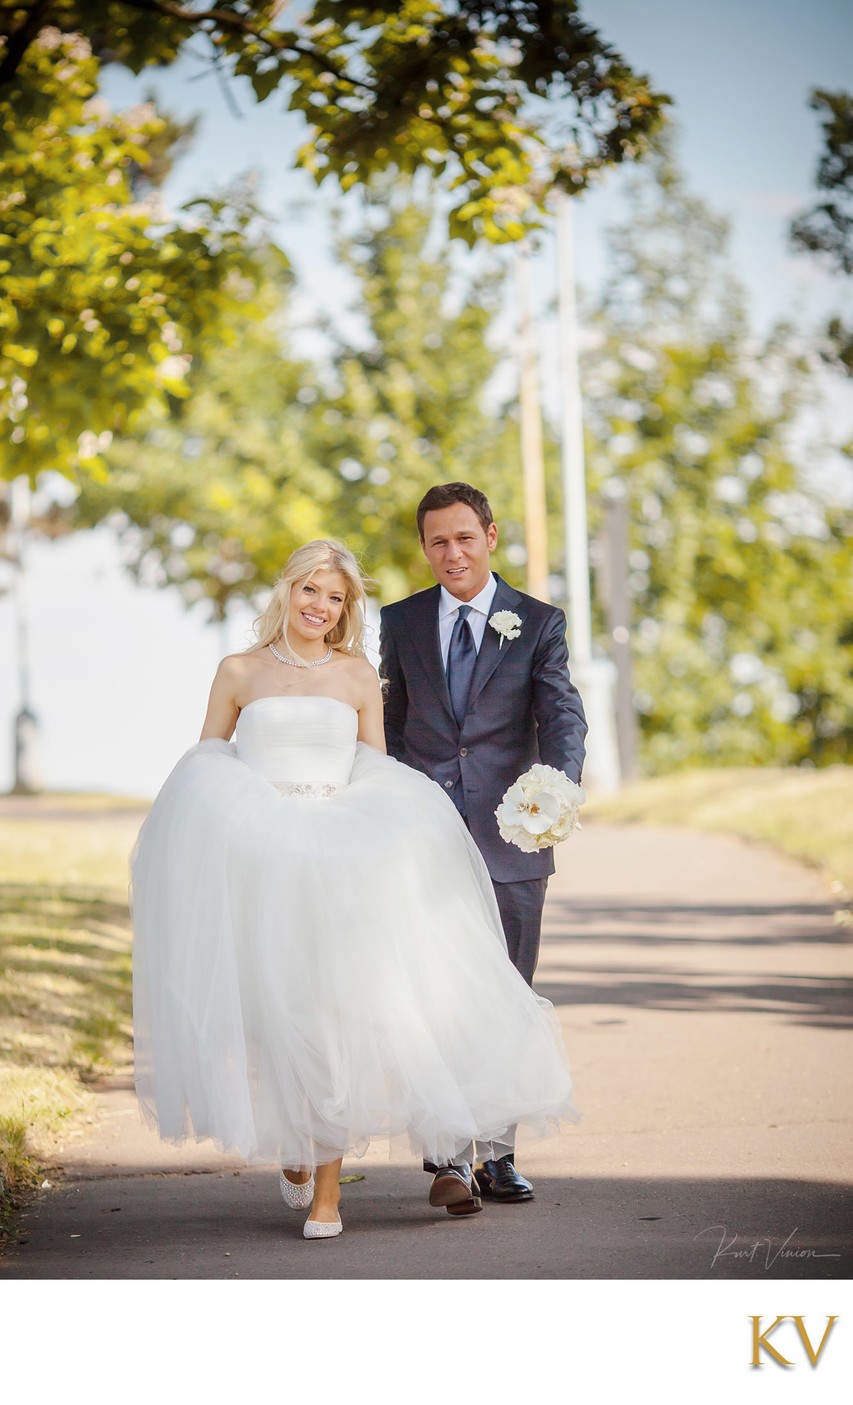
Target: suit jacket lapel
(426, 640)
(492, 650)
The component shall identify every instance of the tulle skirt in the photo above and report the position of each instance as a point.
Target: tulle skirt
(312, 972)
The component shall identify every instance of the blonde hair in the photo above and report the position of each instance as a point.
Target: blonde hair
(348, 634)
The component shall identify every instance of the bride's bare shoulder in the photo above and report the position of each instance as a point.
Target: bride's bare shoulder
(357, 667)
(236, 667)
(360, 673)
(246, 658)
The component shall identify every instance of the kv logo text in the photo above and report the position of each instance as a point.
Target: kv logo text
(761, 1340)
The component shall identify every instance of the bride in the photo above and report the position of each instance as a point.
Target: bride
(318, 958)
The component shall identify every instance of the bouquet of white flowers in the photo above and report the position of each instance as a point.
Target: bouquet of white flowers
(540, 809)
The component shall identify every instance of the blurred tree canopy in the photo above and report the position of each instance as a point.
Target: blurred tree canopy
(409, 401)
(106, 300)
(457, 87)
(109, 298)
(213, 496)
(272, 449)
(740, 572)
(827, 229)
(739, 569)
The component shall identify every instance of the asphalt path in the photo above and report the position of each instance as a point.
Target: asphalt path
(704, 986)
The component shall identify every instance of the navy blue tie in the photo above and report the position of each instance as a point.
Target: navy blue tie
(461, 658)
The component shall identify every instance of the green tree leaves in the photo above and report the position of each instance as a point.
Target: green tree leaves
(743, 646)
(105, 303)
(272, 450)
(457, 88)
(108, 299)
(827, 229)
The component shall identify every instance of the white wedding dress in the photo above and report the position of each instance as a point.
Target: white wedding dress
(318, 958)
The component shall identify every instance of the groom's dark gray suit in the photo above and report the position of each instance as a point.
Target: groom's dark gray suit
(522, 708)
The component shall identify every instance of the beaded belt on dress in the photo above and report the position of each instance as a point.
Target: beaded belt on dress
(305, 788)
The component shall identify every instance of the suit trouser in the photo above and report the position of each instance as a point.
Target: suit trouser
(520, 906)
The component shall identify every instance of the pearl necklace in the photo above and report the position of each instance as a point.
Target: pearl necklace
(295, 663)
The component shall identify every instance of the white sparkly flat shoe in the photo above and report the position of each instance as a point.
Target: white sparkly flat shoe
(321, 1229)
(296, 1197)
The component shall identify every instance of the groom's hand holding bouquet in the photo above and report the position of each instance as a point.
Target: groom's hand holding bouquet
(540, 809)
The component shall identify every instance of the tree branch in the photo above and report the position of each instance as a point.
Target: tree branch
(23, 36)
(238, 25)
(223, 83)
(20, 40)
(225, 18)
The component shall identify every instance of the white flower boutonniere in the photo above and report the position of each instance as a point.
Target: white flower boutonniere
(507, 625)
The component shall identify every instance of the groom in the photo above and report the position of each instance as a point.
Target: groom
(474, 708)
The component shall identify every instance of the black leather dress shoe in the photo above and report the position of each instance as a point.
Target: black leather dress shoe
(499, 1180)
(454, 1188)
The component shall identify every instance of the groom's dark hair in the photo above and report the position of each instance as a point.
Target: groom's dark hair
(446, 494)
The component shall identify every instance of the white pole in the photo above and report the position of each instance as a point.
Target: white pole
(532, 454)
(26, 741)
(594, 677)
(574, 472)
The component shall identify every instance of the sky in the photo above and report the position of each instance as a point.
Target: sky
(120, 674)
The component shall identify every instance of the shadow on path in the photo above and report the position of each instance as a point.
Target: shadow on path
(227, 1224)
(646, 923)
(780, 959)
(823, 1002)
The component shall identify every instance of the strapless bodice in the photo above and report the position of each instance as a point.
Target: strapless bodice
(295, 741)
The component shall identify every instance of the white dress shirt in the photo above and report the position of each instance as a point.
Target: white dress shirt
(448, 614)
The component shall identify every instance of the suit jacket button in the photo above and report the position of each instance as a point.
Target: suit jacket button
(463, 751)
(448, 785)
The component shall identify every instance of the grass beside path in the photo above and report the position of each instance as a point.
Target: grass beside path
(808, 814)
(65, 971)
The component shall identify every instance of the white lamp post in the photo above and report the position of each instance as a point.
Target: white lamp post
(28, 778)
(532, 454)
(594, 677)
